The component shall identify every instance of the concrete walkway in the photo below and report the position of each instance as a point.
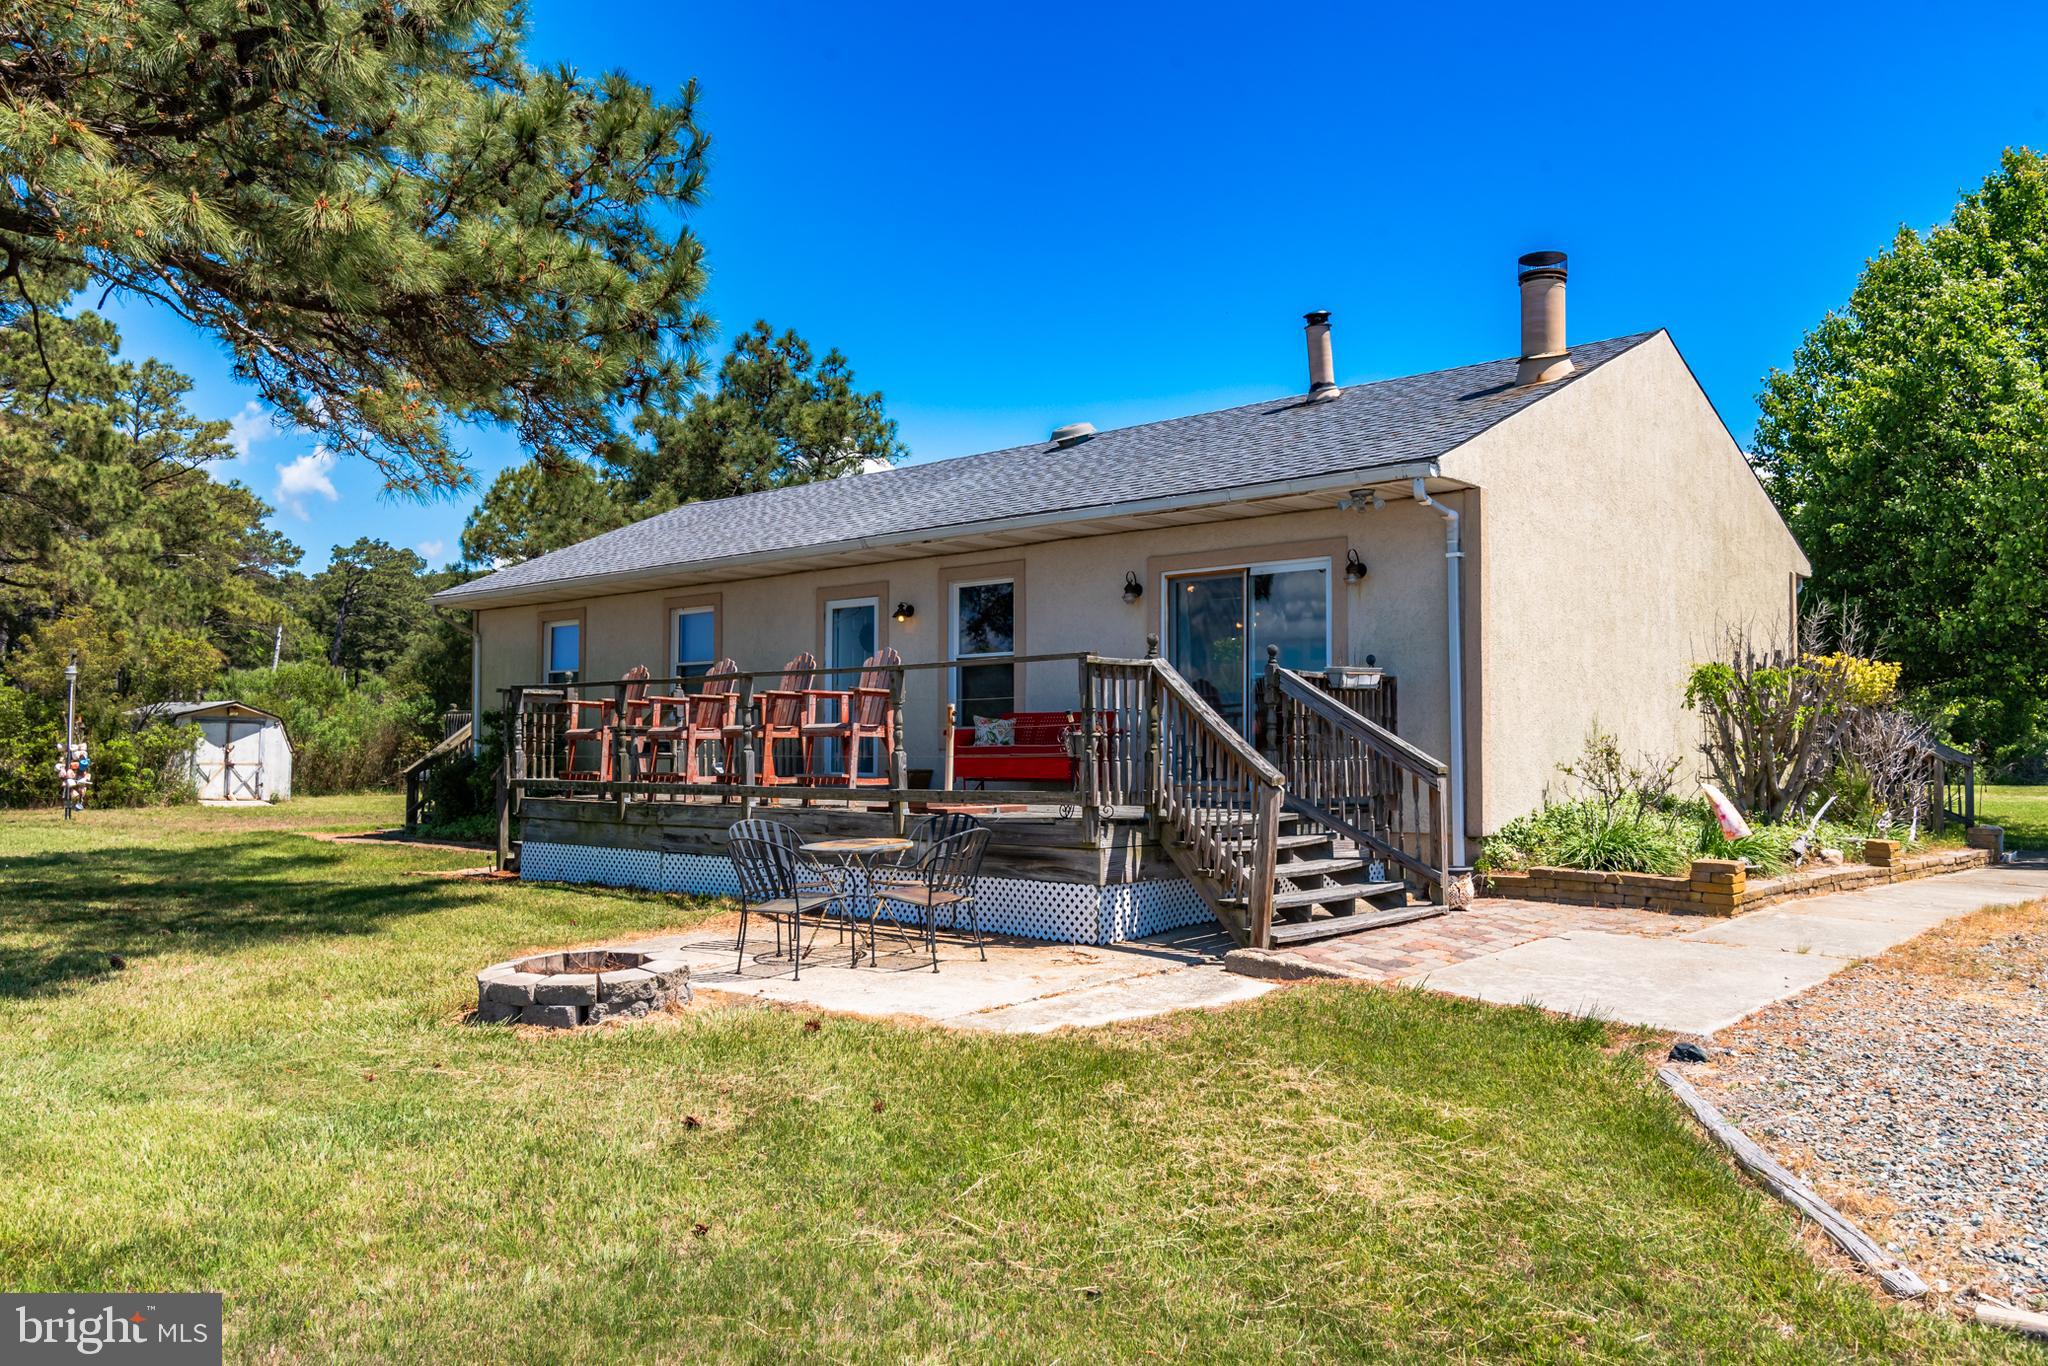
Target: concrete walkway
(1690, 976)
(1025, 987)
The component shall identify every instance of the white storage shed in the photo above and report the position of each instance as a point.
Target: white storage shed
(242, 754)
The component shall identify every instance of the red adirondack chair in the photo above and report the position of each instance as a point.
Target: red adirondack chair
(784, 711)
(579, 727)
(864, 714)
(690, 721)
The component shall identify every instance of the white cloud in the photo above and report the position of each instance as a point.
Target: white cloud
(249, 426)
(431, 549)
(303, 478)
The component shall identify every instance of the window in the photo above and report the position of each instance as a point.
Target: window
(565, 651)
(696, 637)
(984, 626)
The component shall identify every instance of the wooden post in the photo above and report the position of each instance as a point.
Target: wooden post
(1269, 702)
(412, 802)
(1153, 784)
(1085, 763)
(946, 760)
(515, 736)
(621, 765)
(899, 760)
(1265, 857)
(1442, 803)
(745, 758)
(504, 795)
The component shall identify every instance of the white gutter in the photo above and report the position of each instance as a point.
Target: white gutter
(583, 585)
(1454, 551)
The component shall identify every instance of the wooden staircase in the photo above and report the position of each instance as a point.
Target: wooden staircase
(1323, 887)
(1342, 828)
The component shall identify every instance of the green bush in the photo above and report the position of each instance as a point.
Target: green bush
(1635, 837)
(149, 767)
(344, 738)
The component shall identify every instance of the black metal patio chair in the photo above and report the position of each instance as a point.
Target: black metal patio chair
(941, 825)
(943, 877)
(777, 881)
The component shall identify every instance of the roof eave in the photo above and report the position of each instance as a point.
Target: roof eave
(478, 595)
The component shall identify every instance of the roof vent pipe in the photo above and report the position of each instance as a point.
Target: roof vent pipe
(1073, 434)
(1322, 365)
(1544, 357)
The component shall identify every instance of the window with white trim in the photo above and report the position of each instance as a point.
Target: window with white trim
(696, 638)
(564, 651)
(984, 627)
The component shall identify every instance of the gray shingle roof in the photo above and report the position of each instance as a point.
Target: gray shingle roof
(1394, 421)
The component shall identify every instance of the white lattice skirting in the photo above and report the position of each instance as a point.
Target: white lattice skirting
(1063, 912)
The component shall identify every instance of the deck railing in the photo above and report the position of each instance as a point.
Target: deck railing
(539, 758)
(1362, 779)
(1215, 796)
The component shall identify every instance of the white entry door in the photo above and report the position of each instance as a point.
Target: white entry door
(850, 629)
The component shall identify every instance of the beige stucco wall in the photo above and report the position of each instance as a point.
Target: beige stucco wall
(1625, 534)
(1072, 600)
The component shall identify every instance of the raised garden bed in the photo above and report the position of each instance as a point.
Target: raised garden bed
(1723, 887)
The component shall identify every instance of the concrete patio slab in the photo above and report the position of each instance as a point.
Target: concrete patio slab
(1706, 979)
(1684, 985)
(1024, 987)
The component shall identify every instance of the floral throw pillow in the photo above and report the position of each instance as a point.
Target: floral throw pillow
(995, 731)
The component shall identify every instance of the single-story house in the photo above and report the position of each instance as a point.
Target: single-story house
(241, 753)
(1529, 545)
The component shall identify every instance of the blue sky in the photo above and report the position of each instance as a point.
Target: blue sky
(1014, 217)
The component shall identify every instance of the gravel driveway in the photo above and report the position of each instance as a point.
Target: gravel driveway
(1911, 1091)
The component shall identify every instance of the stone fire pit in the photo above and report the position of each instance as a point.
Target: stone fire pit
(579, 987)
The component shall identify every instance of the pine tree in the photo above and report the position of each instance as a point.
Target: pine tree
(776, 417)
(533, 508)
(387, 216)
(367, 604)
(106, 499)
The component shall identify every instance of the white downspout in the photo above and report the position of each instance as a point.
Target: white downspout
(1454, 551)
(476, 683)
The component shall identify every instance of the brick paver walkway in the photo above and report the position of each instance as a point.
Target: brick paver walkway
(1488, 925)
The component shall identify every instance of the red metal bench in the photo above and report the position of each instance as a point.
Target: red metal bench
(1039, 755)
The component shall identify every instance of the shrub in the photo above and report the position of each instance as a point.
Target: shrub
(344, 738)
(149, 767)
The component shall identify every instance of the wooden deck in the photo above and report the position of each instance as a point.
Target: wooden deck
(1038, 843)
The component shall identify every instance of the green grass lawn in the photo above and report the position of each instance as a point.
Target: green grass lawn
(2023, 811)
(279, 1098)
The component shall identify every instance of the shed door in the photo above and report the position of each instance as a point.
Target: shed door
(210, 759)
(244, 777)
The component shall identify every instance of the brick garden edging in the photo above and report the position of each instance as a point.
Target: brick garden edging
(1722, 887)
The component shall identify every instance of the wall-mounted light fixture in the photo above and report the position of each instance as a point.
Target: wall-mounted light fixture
(1133, 590)
(1354, 568)
(904, 611)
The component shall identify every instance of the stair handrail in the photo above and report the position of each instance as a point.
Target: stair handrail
(1337, 766)
(1216, 795)
(415, 773)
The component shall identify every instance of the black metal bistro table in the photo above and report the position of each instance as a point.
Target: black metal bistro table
(857, 856)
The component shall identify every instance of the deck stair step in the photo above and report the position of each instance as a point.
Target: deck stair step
(1286, 842)
(1336, 894)
(1317, 867)
(1330, 927)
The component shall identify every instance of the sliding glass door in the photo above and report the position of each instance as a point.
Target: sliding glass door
(1219, 623)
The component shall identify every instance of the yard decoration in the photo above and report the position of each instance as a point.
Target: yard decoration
(1733, 826)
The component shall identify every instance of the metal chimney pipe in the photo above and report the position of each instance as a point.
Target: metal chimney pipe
(1322, 364)
(1541, 276)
